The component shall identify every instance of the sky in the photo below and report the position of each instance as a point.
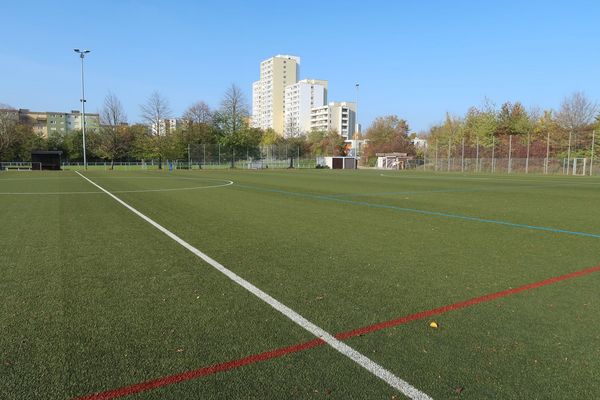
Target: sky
(415, 59)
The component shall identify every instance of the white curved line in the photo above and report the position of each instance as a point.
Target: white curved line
(228, 183)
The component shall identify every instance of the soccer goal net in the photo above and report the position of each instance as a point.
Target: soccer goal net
(580, 166)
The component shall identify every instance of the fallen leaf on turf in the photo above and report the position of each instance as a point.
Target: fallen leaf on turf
(459, 390)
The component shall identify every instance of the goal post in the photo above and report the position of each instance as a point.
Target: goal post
(580, 166)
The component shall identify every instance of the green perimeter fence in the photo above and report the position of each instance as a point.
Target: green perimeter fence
(569, 155)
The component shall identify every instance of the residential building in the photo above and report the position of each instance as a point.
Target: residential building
(165, 126)
(300, 99)
(335, 116)
(268, 93)
(45, 123)
(419, 142)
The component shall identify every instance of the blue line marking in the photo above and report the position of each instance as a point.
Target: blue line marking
(417, 211)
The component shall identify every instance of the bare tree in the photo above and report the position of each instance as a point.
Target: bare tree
(198, 113)
(154, 111)
(576, 112)
(234, 110)
(113, 138)
(112, 113)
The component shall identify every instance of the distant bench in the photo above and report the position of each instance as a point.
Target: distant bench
(17, 167)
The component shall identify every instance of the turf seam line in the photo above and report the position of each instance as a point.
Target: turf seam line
(280, 352)
(392, 380)
(422, 212)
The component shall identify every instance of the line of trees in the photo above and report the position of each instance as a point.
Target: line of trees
(566, 132)
(227, 126)
(486, 127)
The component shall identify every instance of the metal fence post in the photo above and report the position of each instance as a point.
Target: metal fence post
(547, 153)
(569, 153)
(449, 152)
(477, 156)
(509, 153)
(436, 156)
(527, 159)
(592, 157)
(493, 154)
(462, 156)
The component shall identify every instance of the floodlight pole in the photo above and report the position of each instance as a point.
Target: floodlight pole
(82, 54)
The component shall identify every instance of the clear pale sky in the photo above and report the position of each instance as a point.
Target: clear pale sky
(416, 59)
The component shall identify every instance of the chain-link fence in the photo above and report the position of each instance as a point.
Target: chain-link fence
(573, 155)
(273, 156)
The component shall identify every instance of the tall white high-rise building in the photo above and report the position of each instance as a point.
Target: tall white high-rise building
(300, 98)
(339, 117)
(268, 93)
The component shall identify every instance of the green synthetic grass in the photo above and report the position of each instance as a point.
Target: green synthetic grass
(94, 298)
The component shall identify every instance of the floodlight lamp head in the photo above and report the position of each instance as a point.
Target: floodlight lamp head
(76, 50)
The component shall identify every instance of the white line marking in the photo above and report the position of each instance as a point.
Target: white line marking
(371, 366)
(227, 183)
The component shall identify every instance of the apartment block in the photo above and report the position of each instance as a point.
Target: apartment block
(300, 99)
(165, 126)
(45, 123)
(335, 116)
(268, 93)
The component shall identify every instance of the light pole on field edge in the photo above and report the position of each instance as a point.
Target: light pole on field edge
(82, 54)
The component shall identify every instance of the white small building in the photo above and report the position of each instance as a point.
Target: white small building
(338, 162)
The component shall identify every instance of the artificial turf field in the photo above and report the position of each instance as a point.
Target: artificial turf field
(95, 300)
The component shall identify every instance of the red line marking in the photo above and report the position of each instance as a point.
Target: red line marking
(267, 355)
(196, 373)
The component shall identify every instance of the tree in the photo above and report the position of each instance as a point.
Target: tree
(233, 113)
(113, 140)
(480, 125)
(323, 143)
(23, 140)
(155, 111)
(198, 113)
(513, 120)
(388, 134)
(270, 137)
(198, 127)
(7, 131)
(576, 113)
